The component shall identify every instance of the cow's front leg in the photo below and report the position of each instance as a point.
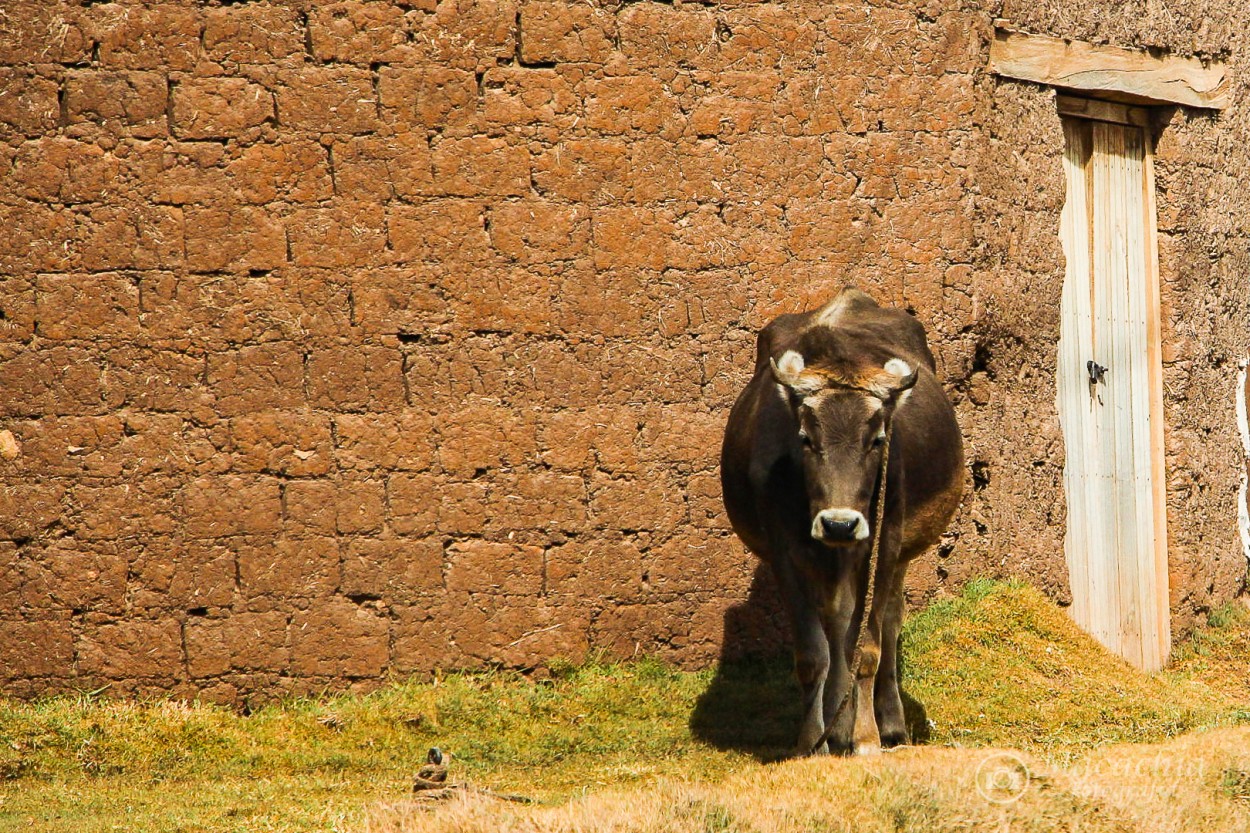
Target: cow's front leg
(839, 706)
(811, 657)
(891, 719)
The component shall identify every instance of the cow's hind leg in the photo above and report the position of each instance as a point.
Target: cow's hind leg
(888, 700)
(811, 658)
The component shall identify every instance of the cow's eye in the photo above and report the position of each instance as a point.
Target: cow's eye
(805, 439)
(878, 441)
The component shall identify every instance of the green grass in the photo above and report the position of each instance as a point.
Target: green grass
(998, 665)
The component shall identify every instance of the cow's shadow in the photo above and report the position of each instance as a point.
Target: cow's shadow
(752, 703)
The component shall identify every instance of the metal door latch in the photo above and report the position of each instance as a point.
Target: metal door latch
(1097, 373)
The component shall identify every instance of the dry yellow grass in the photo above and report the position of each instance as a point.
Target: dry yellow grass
(1195, 784)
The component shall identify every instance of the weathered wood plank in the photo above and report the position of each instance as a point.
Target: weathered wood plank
(1125, 73)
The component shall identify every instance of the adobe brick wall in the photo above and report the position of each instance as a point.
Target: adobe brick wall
(348, 339)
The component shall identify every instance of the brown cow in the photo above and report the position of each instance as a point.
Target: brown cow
(835, 392)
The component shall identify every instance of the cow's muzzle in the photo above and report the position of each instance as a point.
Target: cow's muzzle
(839, 526)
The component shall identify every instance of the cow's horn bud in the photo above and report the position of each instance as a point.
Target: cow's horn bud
(789, 368)
(903, 372)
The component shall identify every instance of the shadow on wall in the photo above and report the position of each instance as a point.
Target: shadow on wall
(752, 704)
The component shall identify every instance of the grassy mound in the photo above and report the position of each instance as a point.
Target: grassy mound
(997, 666)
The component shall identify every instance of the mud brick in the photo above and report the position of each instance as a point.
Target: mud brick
(762, 161)
(68, 577)
(379, 168)
(517, 96)
(402, 300)
(652, 629)
(39, 238)
(461, 508)
(652, 500)
(219, 506)
(567, 439)
(413, 503)
(310, 507)
(291, 443)
(537, 231)
(440, 231)
(28, 104)
(294, 169)
(56, 381)
(40, 648)
(241, 642)
(824, 231)
(612, 303)
(349, 234)
(584, 170)
(707, 508)
(628, 103)
(436, 96)
(219, 108)
(566, 32)
(608, 567)
(62, 170)
(538, 500)
(233, 238)
(520, 299)
(480, 166)
(87, 306)
(469, 34)
(29, 508)
(504, 568)
(127, 510)
(657, 35)
(161, 36)
(168, 574)
(199, 312)
(17, 308)
(176, 173)
(356, 378)
(690, 563)
(404, 441)
(338, 638)
(328, 100)
(726, 116)
(134, 102)
(360, 506)
(43, 33)
(130, 649)
(257, 378)
(355, 32)
(762, 37)
(13, 566)
(485, 436)
(611, 432)
(251, 34)
(159, 380)
(681, 433)
(628, 236)
(130, 237)
(421, 639)
(287, 568)
(687, 170)
(494, 629)
(393, 569)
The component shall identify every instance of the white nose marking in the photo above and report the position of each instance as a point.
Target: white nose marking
(840, 516)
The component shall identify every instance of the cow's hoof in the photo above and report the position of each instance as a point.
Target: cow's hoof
(891, 739)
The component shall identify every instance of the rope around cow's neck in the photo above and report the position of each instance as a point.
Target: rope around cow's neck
(873, 554)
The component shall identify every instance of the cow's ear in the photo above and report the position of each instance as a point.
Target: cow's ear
(788, 370)
(905, 375)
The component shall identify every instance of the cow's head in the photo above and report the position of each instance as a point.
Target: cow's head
(841, 409)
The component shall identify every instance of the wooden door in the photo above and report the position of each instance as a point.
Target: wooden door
(1110, 386)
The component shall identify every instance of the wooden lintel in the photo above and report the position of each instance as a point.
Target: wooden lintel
(1127, 74)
